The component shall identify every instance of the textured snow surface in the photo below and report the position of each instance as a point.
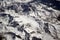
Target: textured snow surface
(29, 20)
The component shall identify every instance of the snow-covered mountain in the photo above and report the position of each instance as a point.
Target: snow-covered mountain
(29, 20)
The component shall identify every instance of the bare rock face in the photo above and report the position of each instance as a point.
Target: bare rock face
(29, 20)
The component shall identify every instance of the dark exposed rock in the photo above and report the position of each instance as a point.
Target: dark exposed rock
(10, 18)
(58, 18)
(34, 38)
(21, 28)
(12, 7)
(3, 14)
(46, 28)
(2, 37)
(27, 36)
(25, 8)
(13, 34)
(2, 10)
(14, 24)
(0, 22)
